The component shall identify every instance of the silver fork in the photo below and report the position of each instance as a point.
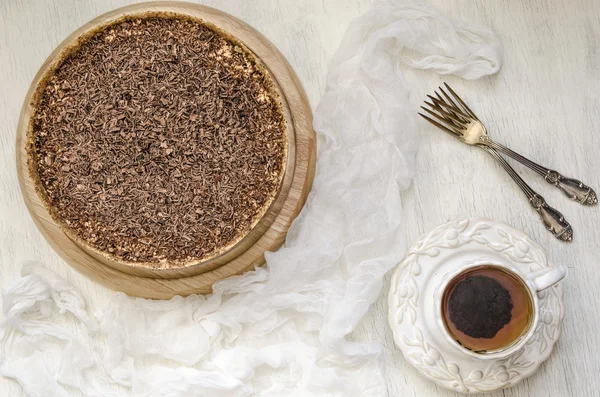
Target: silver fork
(572, 188)
(456, 118)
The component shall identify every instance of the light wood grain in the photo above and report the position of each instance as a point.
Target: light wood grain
(267, 235)
(544, 102)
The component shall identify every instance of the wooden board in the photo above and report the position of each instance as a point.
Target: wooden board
(168, 269)
(269, 233)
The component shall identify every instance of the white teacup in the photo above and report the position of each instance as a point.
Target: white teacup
(534, 283)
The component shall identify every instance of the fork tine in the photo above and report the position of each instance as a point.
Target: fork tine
(438, 99)
(455, 108)
(458, 122)
(442, 100)
(451, 108)
(464, 105)
(457, 129)
(463, 109)
(440, 126)
(448, 104)
(448, 99)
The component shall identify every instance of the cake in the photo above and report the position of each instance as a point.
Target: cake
(159, 141)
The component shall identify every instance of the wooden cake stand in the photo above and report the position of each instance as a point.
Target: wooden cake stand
(268, 234)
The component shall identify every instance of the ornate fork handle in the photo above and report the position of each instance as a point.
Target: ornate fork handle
(572, 188)
(553, 220)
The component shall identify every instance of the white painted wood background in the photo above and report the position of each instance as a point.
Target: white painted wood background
(544, 102)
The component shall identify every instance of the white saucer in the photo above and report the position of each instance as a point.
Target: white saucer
(411, 305)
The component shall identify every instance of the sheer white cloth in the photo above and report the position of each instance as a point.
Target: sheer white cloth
(279, 330)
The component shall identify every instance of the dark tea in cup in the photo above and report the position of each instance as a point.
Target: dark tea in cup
(487, 308)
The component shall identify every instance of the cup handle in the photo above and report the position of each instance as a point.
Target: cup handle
(546, 278)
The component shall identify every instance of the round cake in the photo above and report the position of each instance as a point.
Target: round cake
(158, 140)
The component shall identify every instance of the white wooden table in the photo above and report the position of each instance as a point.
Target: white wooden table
(545, 102)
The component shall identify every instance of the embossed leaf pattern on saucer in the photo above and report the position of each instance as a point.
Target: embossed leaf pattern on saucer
(420, 348)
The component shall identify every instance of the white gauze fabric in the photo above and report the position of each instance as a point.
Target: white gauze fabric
(279, 330)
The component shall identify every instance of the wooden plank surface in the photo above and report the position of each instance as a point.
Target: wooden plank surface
(544, 102)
